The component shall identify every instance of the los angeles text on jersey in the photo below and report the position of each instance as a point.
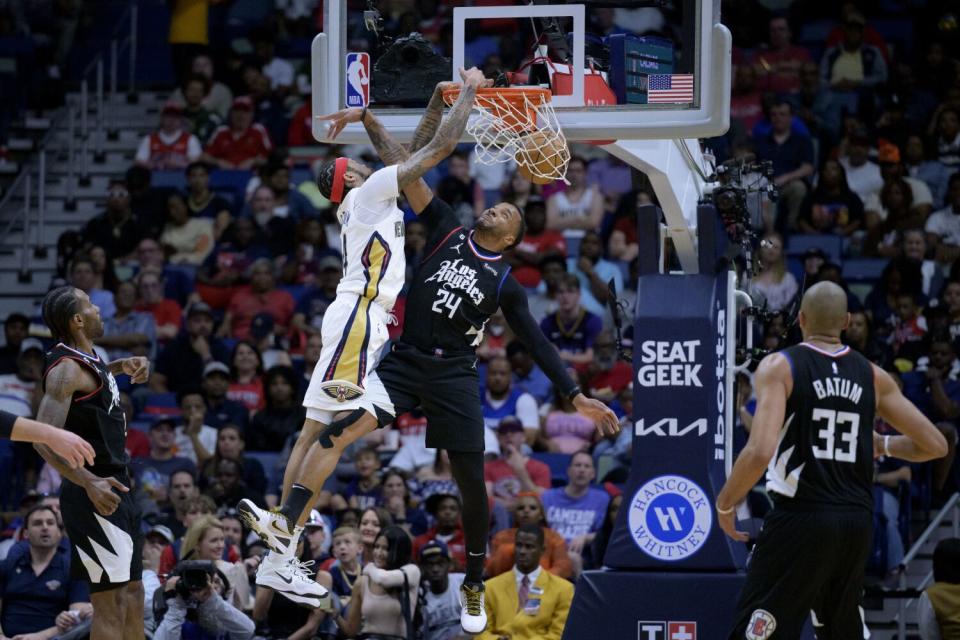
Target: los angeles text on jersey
(837, 387)
(453, 274)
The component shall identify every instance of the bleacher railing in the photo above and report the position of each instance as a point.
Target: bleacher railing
(123, 41)
(950, 510)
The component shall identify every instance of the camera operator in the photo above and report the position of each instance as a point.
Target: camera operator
(196, 608)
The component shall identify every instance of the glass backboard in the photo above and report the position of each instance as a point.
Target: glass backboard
(649, 69)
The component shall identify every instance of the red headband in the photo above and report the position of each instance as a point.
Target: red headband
(336, 193)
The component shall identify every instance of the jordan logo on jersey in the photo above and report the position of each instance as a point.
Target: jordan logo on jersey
(452, 274)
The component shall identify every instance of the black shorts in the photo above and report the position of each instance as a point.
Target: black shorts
(806, 561)
(106, 550)
(446, 388)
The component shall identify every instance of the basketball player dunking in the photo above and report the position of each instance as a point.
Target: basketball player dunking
(461, 282)
(814, 426)
(101, 519)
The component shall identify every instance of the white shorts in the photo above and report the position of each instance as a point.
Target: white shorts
(354, 331)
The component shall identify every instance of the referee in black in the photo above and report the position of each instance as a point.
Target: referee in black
(813, 432)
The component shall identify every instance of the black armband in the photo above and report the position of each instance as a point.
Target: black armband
(573, 393)
(6, 424)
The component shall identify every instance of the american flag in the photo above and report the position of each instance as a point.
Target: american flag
(669, 88)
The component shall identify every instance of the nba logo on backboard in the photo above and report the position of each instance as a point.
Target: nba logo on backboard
(358, 79)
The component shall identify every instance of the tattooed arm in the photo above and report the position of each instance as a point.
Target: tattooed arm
(427, 127)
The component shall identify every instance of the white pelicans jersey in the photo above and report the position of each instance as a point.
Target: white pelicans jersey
(372, 239)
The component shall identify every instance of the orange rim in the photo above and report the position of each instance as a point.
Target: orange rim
(520, 100)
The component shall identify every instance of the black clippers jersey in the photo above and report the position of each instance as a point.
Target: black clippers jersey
(96, 417)
(825, 456)
(454, 292)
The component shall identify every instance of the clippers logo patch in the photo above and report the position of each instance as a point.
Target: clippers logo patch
(762, 625)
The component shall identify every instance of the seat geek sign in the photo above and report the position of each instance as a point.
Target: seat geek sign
(669, 363)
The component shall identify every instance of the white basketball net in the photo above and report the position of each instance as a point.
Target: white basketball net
(502, 126)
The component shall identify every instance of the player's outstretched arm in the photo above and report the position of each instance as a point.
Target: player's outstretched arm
(921, 440)
(513, 302)
(74, 450)
(137, 367)
(772, 383)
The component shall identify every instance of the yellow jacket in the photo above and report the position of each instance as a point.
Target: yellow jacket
(543, 622)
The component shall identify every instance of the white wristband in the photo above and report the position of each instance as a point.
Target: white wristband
(886, 446)
(724, 512)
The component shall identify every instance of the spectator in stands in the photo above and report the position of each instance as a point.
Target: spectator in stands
(246, 368)
(746, 106)
(572, 329)
(527, 375)
(230, 446)
(218, 97)
(201, 121)
(948, 138)
(386, 594)
(279, 71)
(565, 430)
(778, 64)
(445, 508)
(599, 547)
(261, 296)
(607, 375)
(943, 227)
(282, 416)
(204, 540)
(913, 248)
(288, 202)
(436, 478)
(863, 177)
(104, 275)
(792, 156)
(529, 511)
(853, 70)
(512, 611)
(440, 606)
(612, 176)
(892, 169)
(774, 282)
(40, 599)
(181, 363)
(195, 440)
(82, 277)
(242, 145)
(365, 490)
(501, 399)
(116, 229)
(622, 244)
(279, 234)
(229, 487)
(181, 491)
(538, 242)
(19, 394)
(204, 203)
(177, 284)
(831, 207)
(171, 147)
(932, 173)
(579, 208)
(544, 299)
(223, 272)
(896, 201)
(938, 612)
(166, 313)
(268, 109)
(519, 191)
(309, 312)
(891, 475)
(373, 520)
(859, 335)
(576, 511)
(346, 569)
(128, 332)
(221, 410)
(155, 471)
(398, 501)
(306, 367)
(513, 472)
(594, 274)
(186, 239)
(16, 328)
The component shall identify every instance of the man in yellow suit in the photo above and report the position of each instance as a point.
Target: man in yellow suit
(527, 603)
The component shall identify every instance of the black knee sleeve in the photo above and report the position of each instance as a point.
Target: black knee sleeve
(337, 427)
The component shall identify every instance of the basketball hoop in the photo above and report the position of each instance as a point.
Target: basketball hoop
(518, 123)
